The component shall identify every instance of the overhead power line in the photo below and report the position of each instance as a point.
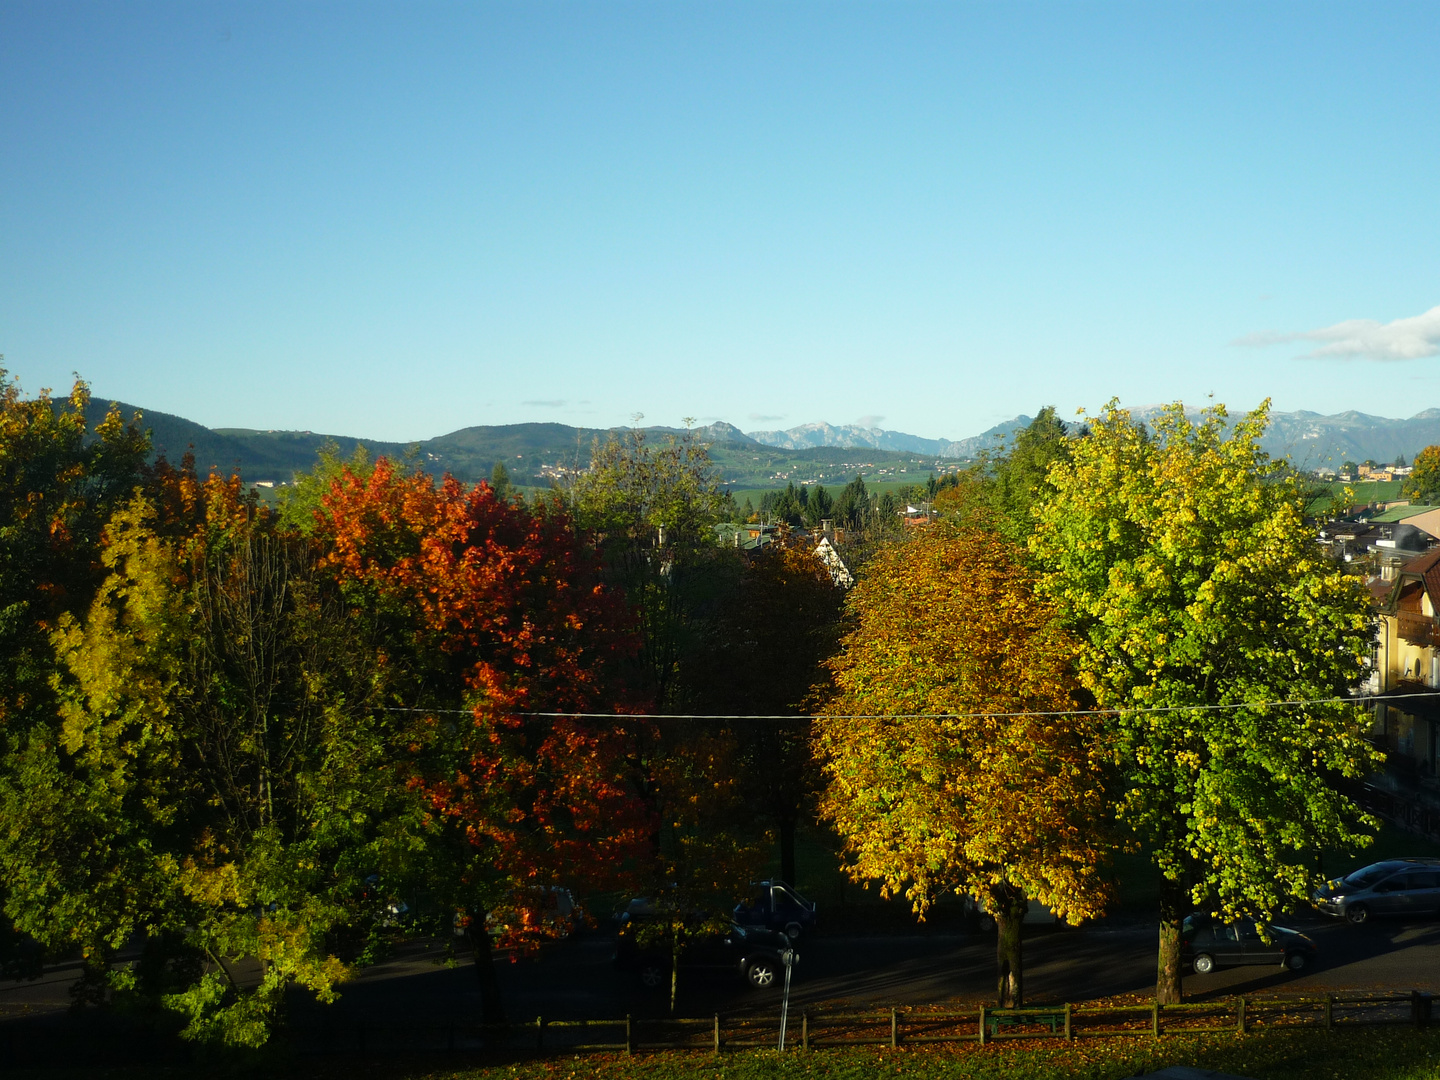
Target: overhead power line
(1288, 703)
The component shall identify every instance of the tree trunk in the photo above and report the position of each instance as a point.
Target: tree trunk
(492, 1010)
(787, 849)
(674, 975)
(1173, 901)
(1009, 918)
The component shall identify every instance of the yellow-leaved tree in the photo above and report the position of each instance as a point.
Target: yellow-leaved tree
(1180, 554)
(955, 757)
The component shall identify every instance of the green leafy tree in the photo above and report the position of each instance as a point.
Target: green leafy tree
(204, 788)
(1423, 483)
(948, 769)
(1004, 485)
(300, 502)
(650, 506)
(1182, 558)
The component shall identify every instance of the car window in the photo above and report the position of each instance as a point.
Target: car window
(1227, 933)
(1425, 879)
(1248, 931)
(1363, 879)
(1394, 884)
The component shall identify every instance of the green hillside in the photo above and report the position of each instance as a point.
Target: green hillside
(534, 454)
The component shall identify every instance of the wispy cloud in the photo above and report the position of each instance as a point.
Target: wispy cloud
(1364, 339)
(556, 404)
(764, 418)
(870, 421)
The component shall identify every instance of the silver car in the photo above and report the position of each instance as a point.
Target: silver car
(1392, 887)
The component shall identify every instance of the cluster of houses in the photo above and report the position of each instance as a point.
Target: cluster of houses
(1398, 551)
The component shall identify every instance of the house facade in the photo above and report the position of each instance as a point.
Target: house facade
(1406, 683)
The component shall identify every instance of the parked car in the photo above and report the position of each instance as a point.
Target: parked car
(1392, 887)
(774, 905)
(1207, 944)
(722, 949)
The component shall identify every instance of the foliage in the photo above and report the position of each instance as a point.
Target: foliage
(300, 503)
(1004, 485)
(494, 610)
(1182, 558)
(1423, 483)
(650, 505)
(944, 774)
(767, 658)
(208, 783)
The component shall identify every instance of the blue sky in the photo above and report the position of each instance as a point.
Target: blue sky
(396, 220)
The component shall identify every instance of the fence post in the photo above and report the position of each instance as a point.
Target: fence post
(894, 1028)
(1155, 1018)
(982, 1025)
(450, 1037)
(717, 1033)
(1241, 1021)
(1069, 1031)
(629, 1035)
(1329, 1011)
(539, 1033)
(1420, 1008)
(805, 1030)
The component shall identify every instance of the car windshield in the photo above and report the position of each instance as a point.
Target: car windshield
(1363, 879)
(737, 931)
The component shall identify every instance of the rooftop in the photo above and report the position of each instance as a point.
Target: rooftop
(1400, 513)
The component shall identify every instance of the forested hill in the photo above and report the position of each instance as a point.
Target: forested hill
(534, 454)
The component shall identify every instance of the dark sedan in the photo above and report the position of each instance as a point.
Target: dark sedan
(724, 949)
(1208, 944)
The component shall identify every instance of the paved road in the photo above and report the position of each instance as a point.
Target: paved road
(574, 979)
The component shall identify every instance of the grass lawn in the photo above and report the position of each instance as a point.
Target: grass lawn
(1367, 1054)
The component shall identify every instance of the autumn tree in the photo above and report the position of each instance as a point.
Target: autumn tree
(59, 482)
(1423, 483)
(209, 782)
(497, 614)
(1181, 558)
(955, 758)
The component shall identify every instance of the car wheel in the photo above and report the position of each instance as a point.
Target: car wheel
(792, 931)
(760, 974)
(652, 976)
(1357, 913)
(1203, 964)
(1296, 961)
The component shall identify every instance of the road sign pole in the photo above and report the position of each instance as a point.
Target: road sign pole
(789, 957)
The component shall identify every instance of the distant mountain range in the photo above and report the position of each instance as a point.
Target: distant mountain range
(536, 454)
(808, 436)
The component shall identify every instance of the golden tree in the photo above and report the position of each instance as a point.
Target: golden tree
(955, 757)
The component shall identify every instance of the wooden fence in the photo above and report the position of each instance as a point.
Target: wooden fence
(814, 1029)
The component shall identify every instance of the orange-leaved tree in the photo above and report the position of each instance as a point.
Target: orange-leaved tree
(956, 760)
(497, 613)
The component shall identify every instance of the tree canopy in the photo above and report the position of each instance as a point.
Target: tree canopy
(954, 757)
(1182, 560)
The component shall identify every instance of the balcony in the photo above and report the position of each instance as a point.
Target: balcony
(1415, 628)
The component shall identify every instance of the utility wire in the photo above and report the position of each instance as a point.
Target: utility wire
(1361, 699)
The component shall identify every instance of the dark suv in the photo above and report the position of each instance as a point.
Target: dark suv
(1392, 887)
(722, 948)
(1207, 944)
(774, 905)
